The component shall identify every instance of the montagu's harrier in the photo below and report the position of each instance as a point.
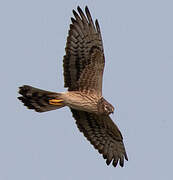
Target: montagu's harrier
(83, 70)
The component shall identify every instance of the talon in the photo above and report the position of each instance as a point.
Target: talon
(55, 102)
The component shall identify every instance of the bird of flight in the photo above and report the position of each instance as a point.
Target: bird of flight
(83, 65)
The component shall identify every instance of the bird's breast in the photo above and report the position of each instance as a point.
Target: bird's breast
(81, 101)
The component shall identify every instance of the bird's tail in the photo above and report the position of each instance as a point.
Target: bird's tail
(40, 100)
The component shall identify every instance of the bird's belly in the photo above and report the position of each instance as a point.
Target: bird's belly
(84, 107)
(81, 102)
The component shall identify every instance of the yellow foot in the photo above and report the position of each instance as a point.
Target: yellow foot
(56, 102)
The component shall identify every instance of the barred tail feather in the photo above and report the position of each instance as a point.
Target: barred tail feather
(38, 99)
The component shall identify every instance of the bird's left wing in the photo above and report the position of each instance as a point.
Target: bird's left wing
(103, 134)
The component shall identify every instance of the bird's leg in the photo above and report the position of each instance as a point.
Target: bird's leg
(57, 102)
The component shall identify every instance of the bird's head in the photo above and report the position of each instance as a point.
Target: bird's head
(108, 108)
(105, 107)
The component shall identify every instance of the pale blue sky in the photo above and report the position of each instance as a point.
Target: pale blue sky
(138, 80)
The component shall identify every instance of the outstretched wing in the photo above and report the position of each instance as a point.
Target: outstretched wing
(84, 59)
(103, 134)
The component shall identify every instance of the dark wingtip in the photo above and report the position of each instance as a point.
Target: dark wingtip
(74, 12)
(108, 162)
(121, 162)
(20, 98)
(73, 20)
(104, 156)
(115, 162)
(79, 9)
(86, 9)
(126, 157)
(96, 21)
(97, 25)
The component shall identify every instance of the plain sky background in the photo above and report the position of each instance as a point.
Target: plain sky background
(138, 81)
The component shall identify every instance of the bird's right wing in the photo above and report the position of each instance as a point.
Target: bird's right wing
(103, 134)
(84, 60)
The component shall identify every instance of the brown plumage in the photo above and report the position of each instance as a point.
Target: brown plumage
(83, 71)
